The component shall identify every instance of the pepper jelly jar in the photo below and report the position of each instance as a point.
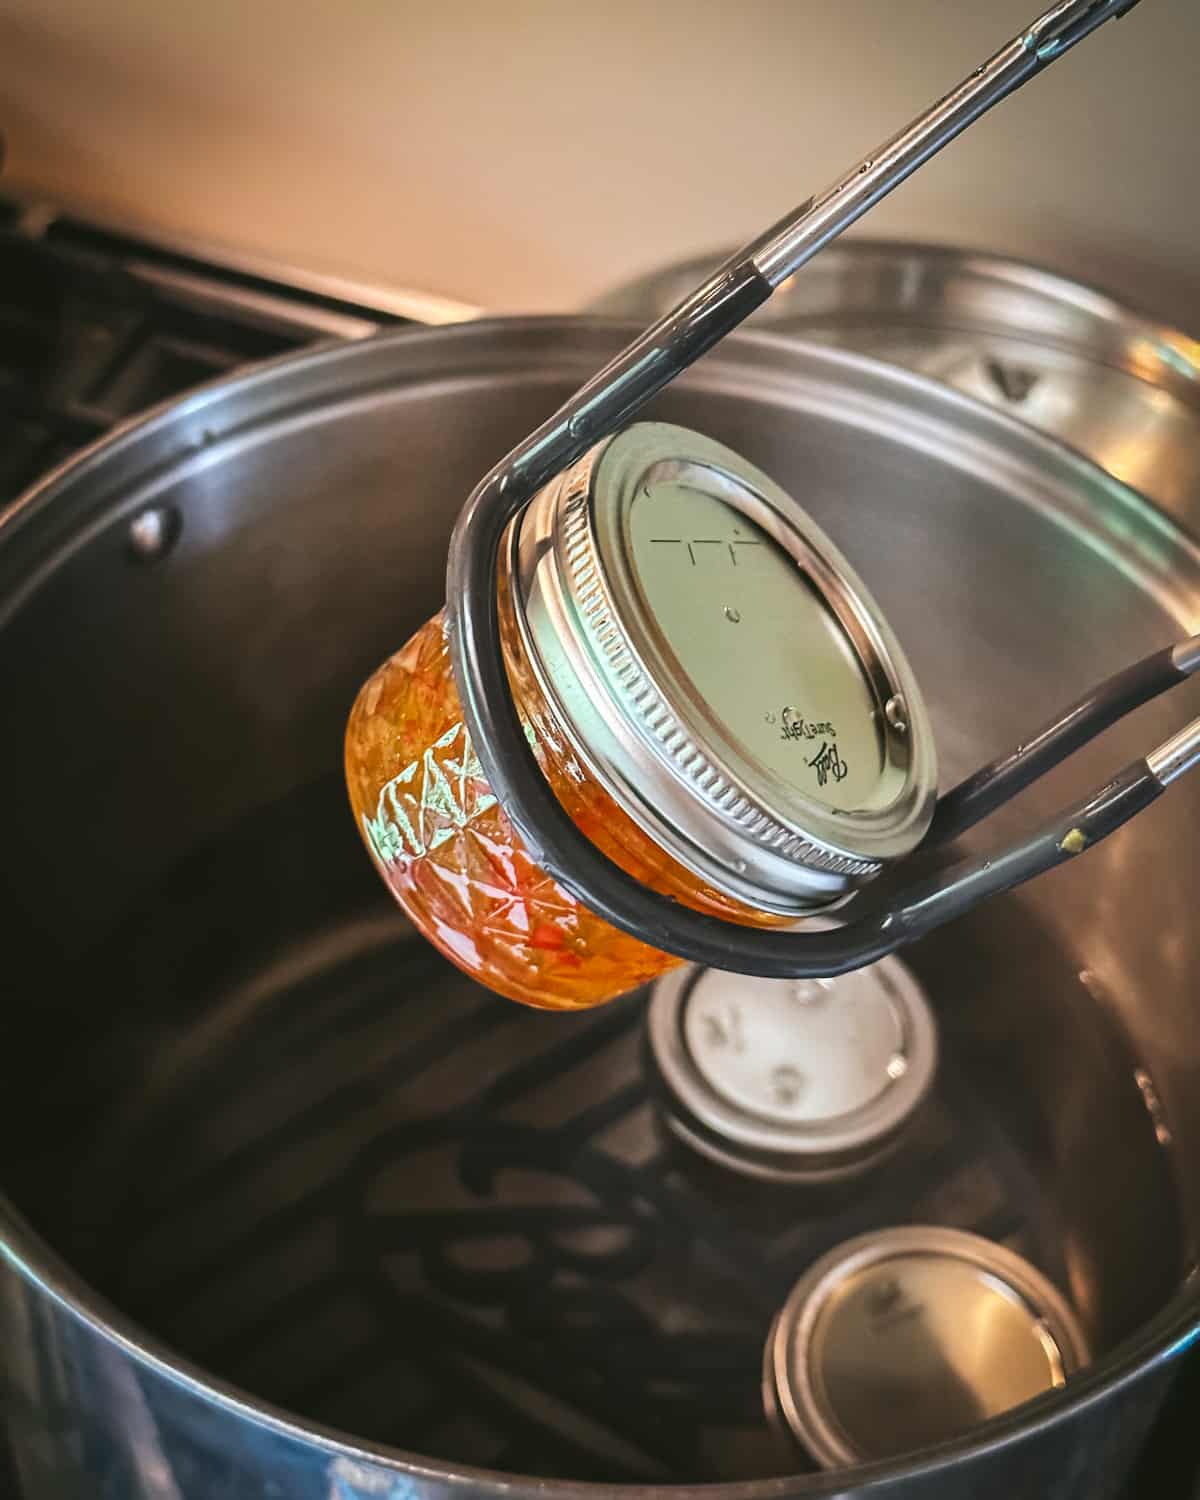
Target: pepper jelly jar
(711, 693)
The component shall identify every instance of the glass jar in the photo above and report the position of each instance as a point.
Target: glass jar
(710, 692)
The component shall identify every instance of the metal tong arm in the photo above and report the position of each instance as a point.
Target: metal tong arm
(750, 276)
(784, 248)
(1001, 780)
(611, 398)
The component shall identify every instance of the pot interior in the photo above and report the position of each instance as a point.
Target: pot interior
(267, 1121)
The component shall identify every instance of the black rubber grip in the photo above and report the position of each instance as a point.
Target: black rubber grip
(997, 783)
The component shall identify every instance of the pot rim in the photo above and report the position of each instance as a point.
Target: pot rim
(1127, 329)
(1166, 1336)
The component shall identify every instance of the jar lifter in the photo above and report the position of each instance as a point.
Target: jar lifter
(609, 400)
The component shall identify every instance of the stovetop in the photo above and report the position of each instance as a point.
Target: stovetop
(98, 324)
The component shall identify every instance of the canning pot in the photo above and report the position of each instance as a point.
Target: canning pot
(1063, 356)
(296, 1210)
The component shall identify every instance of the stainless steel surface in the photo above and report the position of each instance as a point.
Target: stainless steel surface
(40, 218)
(688, 777)
(1179, 754)
(341, 1223)
(911, 1337)
(1060, 355)
(1186, 655)
(792, 1080)
(207, 295)
(784, 249)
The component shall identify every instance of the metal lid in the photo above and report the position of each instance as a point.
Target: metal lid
(1063, 356)
(910, 1337)
(794, 1080)
(721, 670)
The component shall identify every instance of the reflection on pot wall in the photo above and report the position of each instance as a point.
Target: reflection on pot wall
(527, 155)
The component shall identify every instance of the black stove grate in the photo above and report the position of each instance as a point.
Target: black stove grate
(95, 328)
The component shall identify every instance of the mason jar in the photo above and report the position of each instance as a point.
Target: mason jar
(709, 689)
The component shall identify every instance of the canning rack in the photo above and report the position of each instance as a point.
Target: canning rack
(614, 396)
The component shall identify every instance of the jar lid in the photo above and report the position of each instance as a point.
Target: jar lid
(792, 1080)
(721, 670)
(910, 1337)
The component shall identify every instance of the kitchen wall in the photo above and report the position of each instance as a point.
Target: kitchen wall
(528, 154)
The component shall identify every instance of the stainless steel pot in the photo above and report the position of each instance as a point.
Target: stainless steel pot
(297, 1211)
(1063, 356)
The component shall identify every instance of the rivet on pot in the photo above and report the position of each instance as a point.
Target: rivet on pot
(153, 532)
(1013, 383)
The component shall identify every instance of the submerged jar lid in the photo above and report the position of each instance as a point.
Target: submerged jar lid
(910, 1337)
(804, 1080)
(721, 670)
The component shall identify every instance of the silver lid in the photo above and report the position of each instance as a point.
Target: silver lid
(721, 670)
(792, 1080)
(910, 1337)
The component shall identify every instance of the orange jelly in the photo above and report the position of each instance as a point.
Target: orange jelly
(456, 864)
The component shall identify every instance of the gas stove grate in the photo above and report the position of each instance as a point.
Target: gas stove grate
(96, 327)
